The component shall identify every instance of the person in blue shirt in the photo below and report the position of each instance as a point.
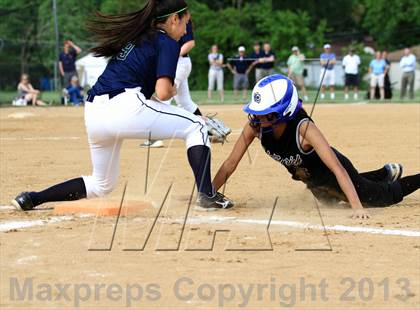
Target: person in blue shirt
(126, 102)
(240, 67)
(75, 92)
(328, 62)
(377, 70)
(408, 66)
(67, 62)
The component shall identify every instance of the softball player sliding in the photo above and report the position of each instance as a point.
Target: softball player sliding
(144, 52)
(183, 70)
(289, 136)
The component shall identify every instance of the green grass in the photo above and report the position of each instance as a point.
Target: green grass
(200, 97)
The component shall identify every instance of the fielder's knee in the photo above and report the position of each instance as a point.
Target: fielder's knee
(197, 133)
(98, 188)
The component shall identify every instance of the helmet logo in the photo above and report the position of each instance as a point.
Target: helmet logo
(257, 97)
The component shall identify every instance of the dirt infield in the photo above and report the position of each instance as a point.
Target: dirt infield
(65, 262)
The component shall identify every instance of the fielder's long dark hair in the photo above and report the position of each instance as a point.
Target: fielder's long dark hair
(113, 32)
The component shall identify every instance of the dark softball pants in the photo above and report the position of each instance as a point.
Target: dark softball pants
(372, 187)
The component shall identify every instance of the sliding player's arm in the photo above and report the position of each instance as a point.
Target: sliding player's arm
(315, 138)
(230, 164)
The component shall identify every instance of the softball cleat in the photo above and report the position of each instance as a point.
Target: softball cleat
(217, 201)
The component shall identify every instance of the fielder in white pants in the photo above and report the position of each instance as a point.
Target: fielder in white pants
(183, 97)
(122, 105)
(130, 116)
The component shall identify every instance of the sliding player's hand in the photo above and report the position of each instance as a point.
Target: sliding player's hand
(360, 214)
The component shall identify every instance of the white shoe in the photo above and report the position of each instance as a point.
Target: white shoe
(332, 96)
(346, 96)
(322, 96)
(152, 144)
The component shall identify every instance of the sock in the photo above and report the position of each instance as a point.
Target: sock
(410, 184)
(197, 112)
(74, 189)
(199, 157)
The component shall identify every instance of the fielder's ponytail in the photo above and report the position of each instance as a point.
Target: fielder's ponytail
(113, 32)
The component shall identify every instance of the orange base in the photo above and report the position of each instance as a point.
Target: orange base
(101, 207)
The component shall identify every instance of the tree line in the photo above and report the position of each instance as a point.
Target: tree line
(27, 38)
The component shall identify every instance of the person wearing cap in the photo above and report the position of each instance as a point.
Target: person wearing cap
(351, 64)
(295, 65)
(240, 67)
(328, 61)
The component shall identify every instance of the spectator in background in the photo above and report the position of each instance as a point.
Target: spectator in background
(351, 64)
(256, 55)
(408, 67)
(387, 80)
(240, 67)
(67, 62)
(216, 72)
(267, 61)
(295, 65)
(329, 78)
(377, 70)
(75, 92)
(27, 93)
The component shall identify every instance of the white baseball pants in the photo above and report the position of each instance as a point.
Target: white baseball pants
(183, 97)
(130, 116)
(329, 78)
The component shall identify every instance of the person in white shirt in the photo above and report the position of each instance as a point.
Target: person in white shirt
(216, 72)
(351, 64)
(408, 67)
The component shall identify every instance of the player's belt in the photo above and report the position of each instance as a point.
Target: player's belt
(111, 94)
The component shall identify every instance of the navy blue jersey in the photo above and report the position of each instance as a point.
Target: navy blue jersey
(240, 64)
(256, 56)
(188, 36)
(140, 66)
(267, 65)
(68, 60)
(304, 166)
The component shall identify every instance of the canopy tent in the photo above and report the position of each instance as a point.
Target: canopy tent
(89, 69)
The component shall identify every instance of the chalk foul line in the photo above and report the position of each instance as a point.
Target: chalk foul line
(10, 225)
